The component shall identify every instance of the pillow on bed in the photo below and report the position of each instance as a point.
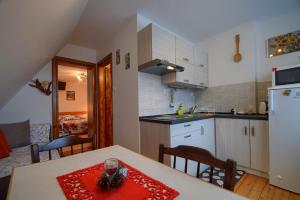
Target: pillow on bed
(17, 134)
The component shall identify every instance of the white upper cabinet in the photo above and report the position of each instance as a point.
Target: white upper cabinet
(184, 51)
(153, 43)
(200, 62)
(187, 75)
(163, 44)
(157, 43)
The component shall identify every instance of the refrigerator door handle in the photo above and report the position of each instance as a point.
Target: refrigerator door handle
(271, 101)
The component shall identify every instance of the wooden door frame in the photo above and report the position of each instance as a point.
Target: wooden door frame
(107, 60)
(57, 60)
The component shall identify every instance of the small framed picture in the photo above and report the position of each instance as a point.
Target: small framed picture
(127, 60)
(118, 57)
(70, 95)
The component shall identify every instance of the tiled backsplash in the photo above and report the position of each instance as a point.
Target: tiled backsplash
(223, 98)
(154, 97)
(262, 90)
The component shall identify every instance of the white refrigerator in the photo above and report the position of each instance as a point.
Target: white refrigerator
(284, 137)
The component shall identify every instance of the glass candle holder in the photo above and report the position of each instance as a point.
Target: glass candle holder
(111, 165)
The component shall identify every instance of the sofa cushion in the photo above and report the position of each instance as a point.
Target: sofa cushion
(40, 133)
(3, 151)
(4, 142)
(17, 134)
(21, 156)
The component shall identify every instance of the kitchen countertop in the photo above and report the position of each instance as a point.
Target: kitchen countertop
(174, 119)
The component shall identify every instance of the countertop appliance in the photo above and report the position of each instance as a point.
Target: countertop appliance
(262, 107)
(284, 137)
(289, 75)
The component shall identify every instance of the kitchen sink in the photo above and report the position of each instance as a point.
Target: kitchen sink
(177, 117)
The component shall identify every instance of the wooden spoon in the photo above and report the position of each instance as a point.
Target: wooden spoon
(237, 57)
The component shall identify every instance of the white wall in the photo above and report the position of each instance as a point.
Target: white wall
(221, 48)
(31, 34)
(79, 53)
(28, 103)
(269, 28)
(125, 85)
(80, 103)
(254, 65)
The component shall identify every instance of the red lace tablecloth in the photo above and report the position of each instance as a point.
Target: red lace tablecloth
(81, 184)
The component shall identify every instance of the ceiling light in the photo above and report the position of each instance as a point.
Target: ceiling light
(271, 55)
(81, 76)
(279, 50)
(170, 68)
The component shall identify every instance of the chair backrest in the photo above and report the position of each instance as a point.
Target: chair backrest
(59, 143)
(201, 156)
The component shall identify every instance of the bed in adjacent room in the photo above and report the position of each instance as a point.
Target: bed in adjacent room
(73, 123)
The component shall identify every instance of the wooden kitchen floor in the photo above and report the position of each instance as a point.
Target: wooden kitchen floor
(255, 187)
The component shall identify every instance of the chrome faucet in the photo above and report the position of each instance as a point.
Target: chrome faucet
(193, 108)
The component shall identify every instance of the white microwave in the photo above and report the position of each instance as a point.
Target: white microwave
(286, 75)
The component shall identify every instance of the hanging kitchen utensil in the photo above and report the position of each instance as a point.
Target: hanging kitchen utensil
(237, 57)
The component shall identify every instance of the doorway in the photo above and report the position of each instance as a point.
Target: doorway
(73, 97)
(105, 105)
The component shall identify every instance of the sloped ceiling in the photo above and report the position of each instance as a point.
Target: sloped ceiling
(31, 33)
(194, 20)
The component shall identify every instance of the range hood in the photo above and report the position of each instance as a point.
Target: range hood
(160, 67)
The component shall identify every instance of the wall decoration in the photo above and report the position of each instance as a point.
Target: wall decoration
(118, 57)
(70, 95)
(127, 60)
(283, 44)
(43, 86)
(237, 56)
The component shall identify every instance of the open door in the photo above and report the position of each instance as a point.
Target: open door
(89, 75)
(105, 106)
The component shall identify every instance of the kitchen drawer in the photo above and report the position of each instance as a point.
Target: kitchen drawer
(191, 139)
(186, 139)
(180, 129)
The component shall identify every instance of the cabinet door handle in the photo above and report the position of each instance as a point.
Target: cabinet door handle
(201, 65)
(187, 125)
(253, 131)
(246, 131)
(186, 80)
(202, 130)
(187, 136)
(186, 59)
(201, 83)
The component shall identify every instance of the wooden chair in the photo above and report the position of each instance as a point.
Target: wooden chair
(201, 156)
(59, 143)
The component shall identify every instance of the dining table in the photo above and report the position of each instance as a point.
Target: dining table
(39, 181)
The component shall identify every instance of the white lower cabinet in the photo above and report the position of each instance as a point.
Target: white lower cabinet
(245, 141)
(259, 143)
(191, 139)
(199, 133)
(203, 136)
(233, 140)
